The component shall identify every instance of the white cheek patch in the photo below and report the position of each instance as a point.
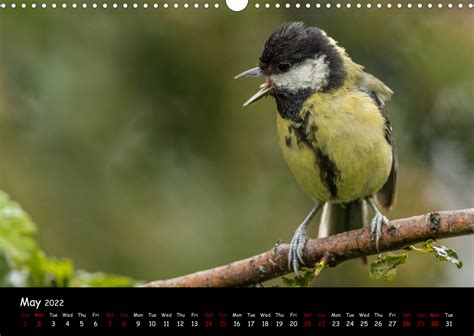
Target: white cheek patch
(312, 74)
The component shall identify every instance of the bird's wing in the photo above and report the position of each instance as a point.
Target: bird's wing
(387, 195)
(373, 84)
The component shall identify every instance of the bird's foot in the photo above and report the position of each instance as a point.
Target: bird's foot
(295, 254)
(376, 227)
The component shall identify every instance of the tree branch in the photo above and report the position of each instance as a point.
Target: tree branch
(397, 234)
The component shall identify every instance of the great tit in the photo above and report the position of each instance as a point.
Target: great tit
(332, 129)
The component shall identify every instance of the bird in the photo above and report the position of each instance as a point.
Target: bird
(333, 130)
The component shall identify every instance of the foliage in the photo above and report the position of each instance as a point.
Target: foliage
(99, 279)
(24, 264)
(386, 267)
(442, 253)
(304, 280)
(309, 274)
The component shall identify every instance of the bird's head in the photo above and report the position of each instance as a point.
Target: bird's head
(297, 57)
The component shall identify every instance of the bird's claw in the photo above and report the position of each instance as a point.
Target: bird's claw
(295, 254)
(376, 227)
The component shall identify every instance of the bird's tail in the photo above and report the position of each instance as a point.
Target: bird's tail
(337, 218)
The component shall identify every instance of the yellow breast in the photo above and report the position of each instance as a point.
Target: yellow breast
(337, 150)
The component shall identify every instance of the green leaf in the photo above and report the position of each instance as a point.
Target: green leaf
(5, 264)
(56, 272)
(85, 279)
(27, 264)
(22, 263)
(443, 253)
(305, 280)
(5, 269)
(17, 231)
(9, 277)
(386, 267)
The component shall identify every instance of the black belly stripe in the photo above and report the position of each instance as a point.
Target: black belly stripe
(328, 171)
(289, 105)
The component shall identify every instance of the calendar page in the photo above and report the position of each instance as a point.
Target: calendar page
(236, 167)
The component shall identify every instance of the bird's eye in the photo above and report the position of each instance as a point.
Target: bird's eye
(282, 67)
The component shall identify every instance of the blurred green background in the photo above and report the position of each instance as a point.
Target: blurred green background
(122, 133)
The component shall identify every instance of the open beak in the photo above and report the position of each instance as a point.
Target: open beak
(265, 88)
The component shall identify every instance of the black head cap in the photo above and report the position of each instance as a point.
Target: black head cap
(294, 42)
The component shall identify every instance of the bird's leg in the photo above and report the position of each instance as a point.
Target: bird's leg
(377, 221)
(295, 254)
